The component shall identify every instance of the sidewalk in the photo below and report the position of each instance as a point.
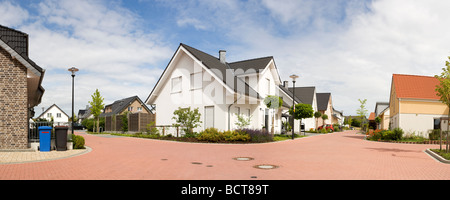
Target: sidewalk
(17, 157)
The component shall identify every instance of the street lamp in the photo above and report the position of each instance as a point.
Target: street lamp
(293, 76)
(73, 70)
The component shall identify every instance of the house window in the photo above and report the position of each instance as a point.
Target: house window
(196, 80)
(437, 124)
(49, 114)
(209, 116)
(139, 108)
(268, 86)
(130, 108)
(58, 115)
(176, 84)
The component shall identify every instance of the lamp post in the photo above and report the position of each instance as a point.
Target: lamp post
(293, 76)
(73, 70)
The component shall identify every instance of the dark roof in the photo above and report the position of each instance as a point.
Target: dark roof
(305, 94)
(322, 100)
(118, 106)
(251, 66)
(220, 69)
(288, 104)
(54, 105)
(18, 41)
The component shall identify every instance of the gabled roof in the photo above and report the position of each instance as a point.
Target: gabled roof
(18, 42)
(288, 103)
(214, 63)
(252, 65)
(372, 116)
(415, 86)
(118, 106)
(305, 94)
(322, 100)
(54, 105)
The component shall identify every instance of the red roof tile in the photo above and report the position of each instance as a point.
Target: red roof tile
(414, 86)
(372, 116)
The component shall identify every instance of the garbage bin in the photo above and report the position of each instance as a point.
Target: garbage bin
(44, 138)
(61, 138)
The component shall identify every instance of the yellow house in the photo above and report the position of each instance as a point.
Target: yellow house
(414, 105)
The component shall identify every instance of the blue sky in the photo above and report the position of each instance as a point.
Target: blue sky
(350, 48)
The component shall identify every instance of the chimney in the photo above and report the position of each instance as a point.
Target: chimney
(222, 54)
(285, 84)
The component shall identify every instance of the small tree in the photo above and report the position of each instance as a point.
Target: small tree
(273, 102)
(362, 111)
(378, 121)
(302, 111)
(317, 115)
(443, 91)
(243, 121)
(97, 107)
(324, 117)
(187, 118)
(125, 121)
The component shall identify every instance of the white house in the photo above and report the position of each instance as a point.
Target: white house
(55, 114)
(220, 89)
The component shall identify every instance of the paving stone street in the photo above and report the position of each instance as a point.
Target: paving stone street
(336, 156)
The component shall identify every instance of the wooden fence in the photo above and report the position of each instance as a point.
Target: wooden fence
(137, 122)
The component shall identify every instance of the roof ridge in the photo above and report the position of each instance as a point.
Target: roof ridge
(251, 59)
(413, 75)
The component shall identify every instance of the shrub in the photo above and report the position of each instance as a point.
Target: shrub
(387, 135)
(236, 136)
(258, 135)
(398, 134)
(434, 134)
(78, 142)
(211, 135)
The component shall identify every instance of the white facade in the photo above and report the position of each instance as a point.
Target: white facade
(417, 124)
(187, 82)
(56, 114)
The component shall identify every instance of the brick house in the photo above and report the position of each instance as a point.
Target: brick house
(20, 88)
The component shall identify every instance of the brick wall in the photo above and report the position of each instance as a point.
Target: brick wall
(13, 103)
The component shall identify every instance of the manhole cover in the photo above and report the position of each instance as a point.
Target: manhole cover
(243, 158)
(265, 166)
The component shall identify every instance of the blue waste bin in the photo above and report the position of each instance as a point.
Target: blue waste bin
(44, 138)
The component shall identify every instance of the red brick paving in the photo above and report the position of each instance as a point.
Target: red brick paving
(331, 156)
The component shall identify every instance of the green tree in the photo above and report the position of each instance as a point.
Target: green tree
(362, 111)
(187, 118)
(324, 117)
(317, 115)
(125, 121)
(443, 91)
(302, 111)
(243, 121)
(273, 102)
(378, 121)
(97, 106)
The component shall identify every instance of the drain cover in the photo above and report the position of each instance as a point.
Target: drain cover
(196, 163)
(265, 166)
(243, 158)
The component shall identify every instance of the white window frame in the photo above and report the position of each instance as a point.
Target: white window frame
(196, 81)
(176, 88)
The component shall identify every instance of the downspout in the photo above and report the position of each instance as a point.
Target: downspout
(229, 107)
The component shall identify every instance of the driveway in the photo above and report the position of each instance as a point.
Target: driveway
(343, 155)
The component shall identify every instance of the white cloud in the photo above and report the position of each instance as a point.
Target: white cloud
(348, 48)
(12, 14)
(102, 39)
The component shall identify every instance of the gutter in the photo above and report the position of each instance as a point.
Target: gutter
(229, 107)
